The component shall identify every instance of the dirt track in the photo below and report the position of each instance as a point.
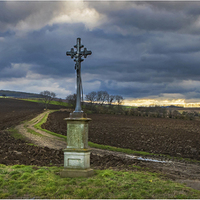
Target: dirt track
(43, 139)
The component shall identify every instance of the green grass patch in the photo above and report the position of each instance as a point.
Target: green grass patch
(52, 102)
(45, 182)
(111, 148)
(32, 144)
(15, 133)
(34, 132)
(42, 121)
(34, 120)
(129, 106)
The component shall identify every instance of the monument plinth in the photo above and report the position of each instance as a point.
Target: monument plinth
(77, 153)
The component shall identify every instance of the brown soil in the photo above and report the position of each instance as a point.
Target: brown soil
(16, 151)
(13, 111)
(174, 137)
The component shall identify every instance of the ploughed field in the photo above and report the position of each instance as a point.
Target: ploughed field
(169, 136)
(13, 111)
(16, 151)
(174, 137)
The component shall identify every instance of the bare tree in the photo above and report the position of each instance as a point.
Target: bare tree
(112, 98)
(119, 99)
(47, 97)
(102, 96)
(91, 97)
(71, 99)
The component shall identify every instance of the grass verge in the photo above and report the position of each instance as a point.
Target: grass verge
(138, 153)
(15, 133)
(34, 132)
(44, 182)
(42, 121)
(52, 102)
(111, 148)
(32, 144)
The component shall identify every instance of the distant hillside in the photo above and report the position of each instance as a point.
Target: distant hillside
(15, 94)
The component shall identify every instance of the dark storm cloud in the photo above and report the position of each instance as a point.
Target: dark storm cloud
(188, 7)
(138, 50)
(152, 16)
(146, 19)
(12, 13)
(43, 49)
(171, 43)
(140, 90)
(137, 90)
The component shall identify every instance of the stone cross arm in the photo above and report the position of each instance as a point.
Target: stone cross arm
(85, 52)
(71, 53)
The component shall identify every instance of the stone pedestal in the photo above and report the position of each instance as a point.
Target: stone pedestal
(77, 154)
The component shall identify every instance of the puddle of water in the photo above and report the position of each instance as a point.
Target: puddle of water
(148, 159)
(152, 160)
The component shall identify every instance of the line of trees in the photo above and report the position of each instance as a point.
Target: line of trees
(102, 97)
(162, 112)
(99, 99)
(99, 102)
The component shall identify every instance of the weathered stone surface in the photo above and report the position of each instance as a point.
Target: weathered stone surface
(78, 115)
(76, 159)
(77, 132)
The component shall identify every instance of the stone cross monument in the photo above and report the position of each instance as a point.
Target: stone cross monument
(77, 55)
(77, 153)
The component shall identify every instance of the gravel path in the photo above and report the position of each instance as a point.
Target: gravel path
(43, 139)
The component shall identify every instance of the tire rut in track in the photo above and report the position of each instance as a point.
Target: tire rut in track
(42, 140)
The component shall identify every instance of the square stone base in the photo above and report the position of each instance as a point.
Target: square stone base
(74, 173)
(76, 159)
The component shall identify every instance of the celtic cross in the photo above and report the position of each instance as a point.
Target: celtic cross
(77, 58)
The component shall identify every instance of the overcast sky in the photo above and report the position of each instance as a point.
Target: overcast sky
(146, 50)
